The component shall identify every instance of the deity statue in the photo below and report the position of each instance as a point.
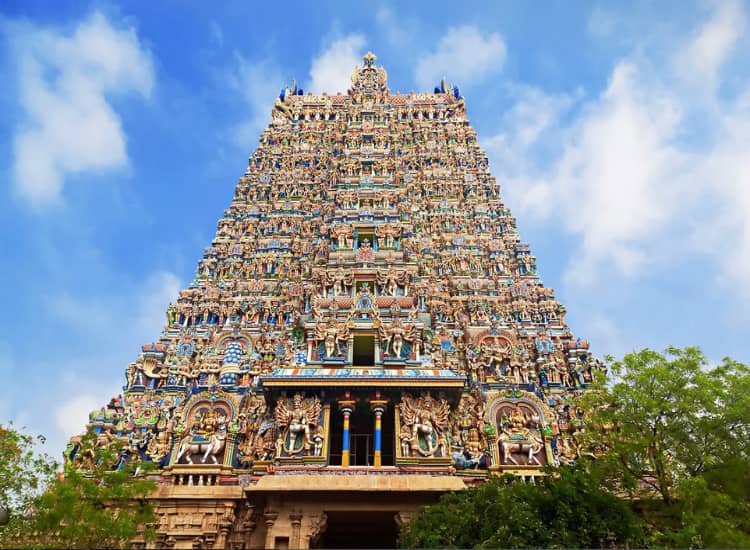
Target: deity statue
(331, 334)
(394, 335)
(387, 234)
(339, 280)
(297, 419)
(207, 435)
(424, 424)
(390, 280)
(516, 435)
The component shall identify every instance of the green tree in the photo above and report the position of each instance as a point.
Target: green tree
(672, 425)
(566, 509)
(23, 472)
(98, 501)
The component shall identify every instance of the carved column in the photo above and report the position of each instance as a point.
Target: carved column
(378, 405)
(296, 519)
(270, 518)
(346, 406)
(225, 526)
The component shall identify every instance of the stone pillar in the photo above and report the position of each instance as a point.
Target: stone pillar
(346, 406)
(270, 518)
(345, 439)
(225, 526)
(296, 519)
(378, 405)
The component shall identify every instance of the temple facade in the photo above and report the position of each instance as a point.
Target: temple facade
(365, 332)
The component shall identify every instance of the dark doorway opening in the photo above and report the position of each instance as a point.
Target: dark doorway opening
(336, 438)
(362, 451)
(388, 427)
(362, 437)
(359, 530)
(364, 351)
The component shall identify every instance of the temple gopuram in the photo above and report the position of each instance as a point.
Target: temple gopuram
(365, 332)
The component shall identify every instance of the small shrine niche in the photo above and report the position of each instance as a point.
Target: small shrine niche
(205, 438)
(522, 433)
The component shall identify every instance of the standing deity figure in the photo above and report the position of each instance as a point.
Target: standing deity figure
(339, 280)
(387, 234)
(395, 334)
(390, 280)
(331, 334)
(425, 422)
(297, 419)
(344, 235)
(495, 351)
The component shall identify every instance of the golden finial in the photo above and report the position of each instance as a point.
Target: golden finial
(369, 59)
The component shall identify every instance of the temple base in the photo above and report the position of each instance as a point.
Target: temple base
(296, 511)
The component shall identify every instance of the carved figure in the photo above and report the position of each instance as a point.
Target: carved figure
(331, 334)
(390, 280)
(297, 419)
(394, 335)
(207, 435)
(516, 436)
(425, 421)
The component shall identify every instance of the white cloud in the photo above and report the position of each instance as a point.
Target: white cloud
(464, 56)
(162, 288)
(72, 415)
(144, 308)
(258, 83)
(73, 381)
(215, 33)
(648, 172)
(69, 127)
(711, 44)
(533, 115)
(391, 26)
(331, 71)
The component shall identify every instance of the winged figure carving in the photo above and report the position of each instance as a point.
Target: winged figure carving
(297, 419)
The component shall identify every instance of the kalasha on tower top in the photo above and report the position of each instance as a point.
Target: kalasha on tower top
(365, 319)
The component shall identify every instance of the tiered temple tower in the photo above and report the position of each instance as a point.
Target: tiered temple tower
(365, 332)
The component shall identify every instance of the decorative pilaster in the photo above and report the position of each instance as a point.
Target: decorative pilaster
(296, 520)
(378, 405)
(269, 519)
(346, 406)
(225, 526)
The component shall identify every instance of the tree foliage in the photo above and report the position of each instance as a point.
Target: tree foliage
(668, 434)
(22, 471)
(567, 509)
(671, 425)
(100, 503)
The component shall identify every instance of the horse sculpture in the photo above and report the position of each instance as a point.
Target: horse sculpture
(529, 445)
(210, 446)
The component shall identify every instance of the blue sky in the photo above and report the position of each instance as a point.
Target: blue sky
(619, 132)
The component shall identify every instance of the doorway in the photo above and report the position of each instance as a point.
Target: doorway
(361, 529)
(362, 438)
(364, 351)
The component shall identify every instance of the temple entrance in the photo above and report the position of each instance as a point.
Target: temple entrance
(360, 530)
(362, 438)
(364, 351)
(362, 451)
